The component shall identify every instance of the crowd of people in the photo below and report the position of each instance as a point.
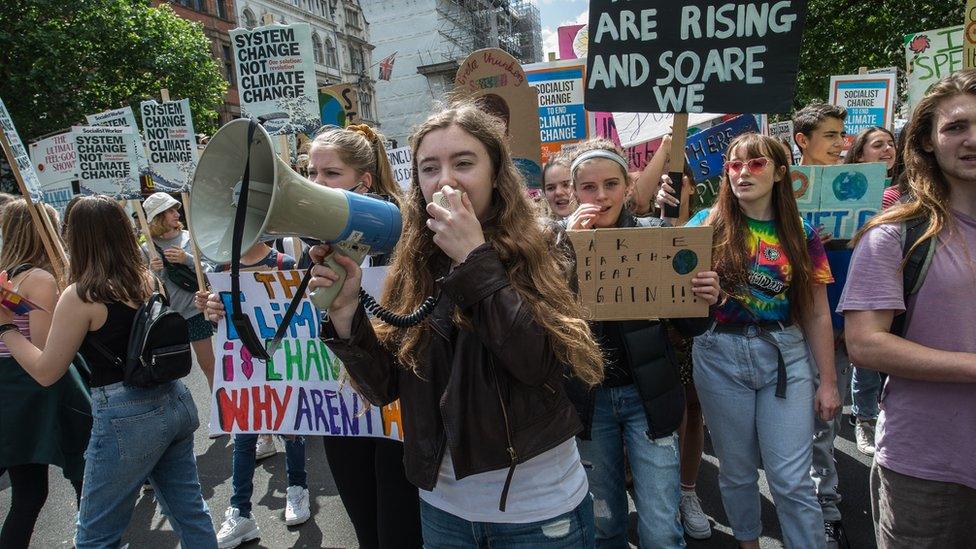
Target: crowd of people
(523, 423)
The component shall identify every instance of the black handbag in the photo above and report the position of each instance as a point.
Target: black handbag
(179, 274)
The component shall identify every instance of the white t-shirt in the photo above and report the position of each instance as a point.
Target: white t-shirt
(543, 487)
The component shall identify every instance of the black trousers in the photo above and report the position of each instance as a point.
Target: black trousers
(28, 486)
(382, 504)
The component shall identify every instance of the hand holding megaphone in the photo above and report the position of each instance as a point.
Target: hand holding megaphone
(456, 228)
(339, 276)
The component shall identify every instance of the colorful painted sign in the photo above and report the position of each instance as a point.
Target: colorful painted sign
(572, 41)
(841, 198)
(401, 163)
(18, 155)
(868, 98)
(172, 144)
(108, 163)
(562, 118)
(302, 389)
(276, 76)
(705, 150)
(969, 35)
(930, 55)
(339, 105)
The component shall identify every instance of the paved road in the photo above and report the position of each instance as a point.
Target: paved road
(330, 526)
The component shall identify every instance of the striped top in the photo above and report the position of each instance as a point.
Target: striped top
(21, 321)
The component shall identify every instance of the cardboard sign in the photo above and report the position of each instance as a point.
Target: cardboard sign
(705, 150)
(641, 273)
(276, 76)
(693, 56)
(301, 389)
(562, 118)
(842, 197)
(497, 81)
(969, 49)
(635, 128)
(931, 55)
(339, 105)
(107, 160)
(572, 41)
(869, 100)
(172, 144)
(401, 163)
(18, 155)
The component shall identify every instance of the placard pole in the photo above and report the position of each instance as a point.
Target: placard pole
(679, 134)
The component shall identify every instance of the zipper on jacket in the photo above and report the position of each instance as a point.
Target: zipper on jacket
(508, 436)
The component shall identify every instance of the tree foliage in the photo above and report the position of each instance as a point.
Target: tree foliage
(843, 35)
(63, 60)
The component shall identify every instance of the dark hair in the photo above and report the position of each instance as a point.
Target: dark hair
(807, 119)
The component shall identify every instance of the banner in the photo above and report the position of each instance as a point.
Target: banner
(562, 118)
(641, 273)
(705, 150)
(401, 163)
(302, 390)
(276, 76)
(572, 41)
(931, 55)
(171, 142)
(869, 100)
(20, 156)
(108, 163)
(693, 56)
(842, 197)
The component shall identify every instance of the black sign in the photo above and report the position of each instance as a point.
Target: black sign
(693, 55)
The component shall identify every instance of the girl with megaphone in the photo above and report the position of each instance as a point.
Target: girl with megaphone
(488, 429)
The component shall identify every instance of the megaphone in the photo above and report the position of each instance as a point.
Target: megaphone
(281, 203)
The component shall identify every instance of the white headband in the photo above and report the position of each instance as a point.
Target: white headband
(597, 153)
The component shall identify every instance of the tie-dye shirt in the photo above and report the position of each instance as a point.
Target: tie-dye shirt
(766, 299)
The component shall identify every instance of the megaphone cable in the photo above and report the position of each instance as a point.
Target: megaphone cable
(393, 319)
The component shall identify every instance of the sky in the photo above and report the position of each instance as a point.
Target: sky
(556, 13)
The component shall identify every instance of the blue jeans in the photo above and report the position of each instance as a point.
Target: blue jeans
(618, 421)
(139, 433)
(244, 463)
(570, 530)
(735, 376)
(865, 390)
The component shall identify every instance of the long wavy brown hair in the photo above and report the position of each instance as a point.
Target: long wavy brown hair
(512, 228)
(730, 256)
(928, 187)
(106, 264)
(21, 241)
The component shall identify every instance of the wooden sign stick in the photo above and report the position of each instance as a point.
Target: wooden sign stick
(144, 225)
(197, 266)
(679, 134)
(57, 261)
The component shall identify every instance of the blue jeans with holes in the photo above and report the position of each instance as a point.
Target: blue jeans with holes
(245, 446)
(139, 433)
(618, 421)
(570, 530)
(735, 376)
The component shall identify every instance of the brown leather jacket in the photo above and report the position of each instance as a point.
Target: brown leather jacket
(494, 393)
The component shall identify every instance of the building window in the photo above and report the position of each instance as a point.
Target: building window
(222, 10)
(331, 59)
(352, 18)
(317, 48)
(228, 64)
(365, 105)
(249, 20)
(356, 59)
(196, 5)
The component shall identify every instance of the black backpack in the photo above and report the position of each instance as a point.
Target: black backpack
(159, 345)
(917, 264)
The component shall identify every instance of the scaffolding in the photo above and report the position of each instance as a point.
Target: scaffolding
(527, 29)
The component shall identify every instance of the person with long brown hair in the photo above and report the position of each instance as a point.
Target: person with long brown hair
(760, 405)
(923, 480)
(488, 428)
(39, 426)
(137, 432)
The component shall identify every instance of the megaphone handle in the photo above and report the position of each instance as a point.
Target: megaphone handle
(323, 297)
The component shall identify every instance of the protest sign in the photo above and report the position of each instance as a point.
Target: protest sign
(705, 150)
(401, 163)
(301, 389)
(693, 56)
(783, 131)
(17, 155)
(276, 76)
(107, 160)
(635, 128)
(562, 118)
(638, 155)
(172, 144)
(339, 105)
(868, 98)
(930, 55)
(496, 80)
(55, 160)
(124, 117)
(641, 273)
(572, 41)
(969, 49)
(841, 197)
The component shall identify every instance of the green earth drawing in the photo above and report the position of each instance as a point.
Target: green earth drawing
(684, 261)
(850, 186)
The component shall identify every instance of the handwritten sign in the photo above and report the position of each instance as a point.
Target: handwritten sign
(107, 160)
(641, 273)
(401, 163)
(705, 150)
(841, 197)
(171, 142)
(339, 105)
(931, 55)
(301, 389)
(562, 118)
(693, 56)
(276, 76)
(18, 155)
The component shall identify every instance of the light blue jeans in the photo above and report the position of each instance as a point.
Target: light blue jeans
(735, 376)
(618, 421)
(865, 390)
(140, 433)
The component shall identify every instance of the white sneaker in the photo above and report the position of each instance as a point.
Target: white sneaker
(864, 435)
(236, 529)
(693, 518)
(265, 447)
(296, 506)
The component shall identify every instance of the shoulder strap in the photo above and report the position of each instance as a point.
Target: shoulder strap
(23, 267)
(104, 351)
(916, 263)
